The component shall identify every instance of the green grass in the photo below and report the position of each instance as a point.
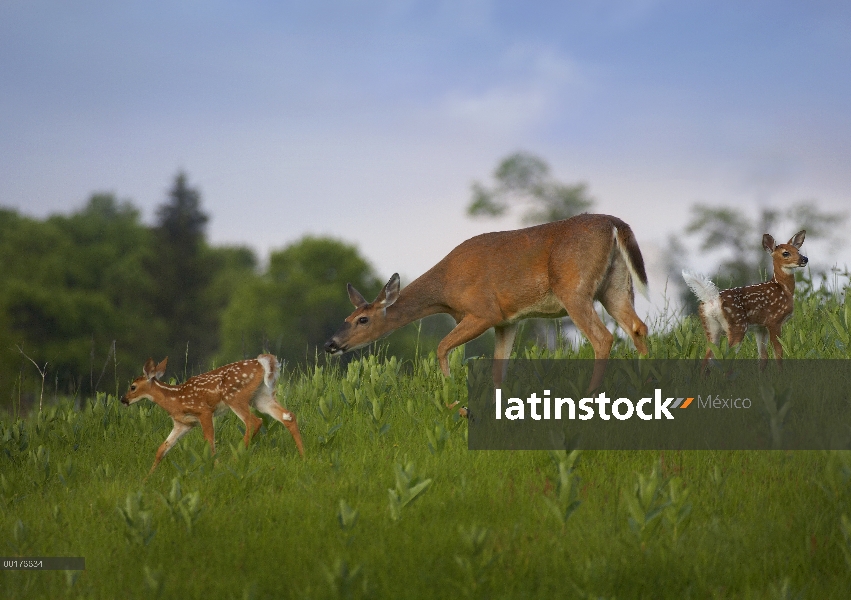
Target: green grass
(263, 523)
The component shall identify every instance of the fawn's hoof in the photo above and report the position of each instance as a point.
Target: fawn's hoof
(462, 410)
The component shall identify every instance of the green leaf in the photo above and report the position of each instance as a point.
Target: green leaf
(347, 516)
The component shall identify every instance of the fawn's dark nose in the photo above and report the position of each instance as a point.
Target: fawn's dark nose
(803, 260)
(331, 346)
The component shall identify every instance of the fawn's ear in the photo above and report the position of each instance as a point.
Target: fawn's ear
(152, 371)
(161, 368)
(768, 243)
(798, 239)
(149, 368)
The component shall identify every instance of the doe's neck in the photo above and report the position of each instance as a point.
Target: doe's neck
(418, 299)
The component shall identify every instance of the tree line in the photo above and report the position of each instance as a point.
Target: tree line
(732, 234)
(86, 297)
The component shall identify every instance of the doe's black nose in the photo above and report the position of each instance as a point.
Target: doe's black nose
(331, 346)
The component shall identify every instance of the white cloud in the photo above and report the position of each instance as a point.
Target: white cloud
(531, 84)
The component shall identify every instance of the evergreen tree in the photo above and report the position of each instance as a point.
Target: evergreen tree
(184, 270)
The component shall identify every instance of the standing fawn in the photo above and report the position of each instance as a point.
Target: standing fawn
(763, 306)
(237, 386)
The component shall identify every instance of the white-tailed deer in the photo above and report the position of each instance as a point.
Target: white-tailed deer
(762, 306)
(497, 279)
(237, 386)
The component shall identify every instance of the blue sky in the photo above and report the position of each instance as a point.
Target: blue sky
(370, 120)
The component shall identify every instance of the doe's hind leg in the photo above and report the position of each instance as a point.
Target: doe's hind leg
(618, 302)
(588, 322)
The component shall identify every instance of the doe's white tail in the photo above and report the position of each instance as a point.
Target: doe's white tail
(630, 253)
(702, 286)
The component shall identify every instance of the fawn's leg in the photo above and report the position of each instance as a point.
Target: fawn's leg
(774, 334)
(267, 404)
(736, 335)
(206, 420)
(177, 432)
(713, 330)
(252, 423)
(762, 346)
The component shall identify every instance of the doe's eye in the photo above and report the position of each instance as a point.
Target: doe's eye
(786, 253)
(133, 388)
(363, 320)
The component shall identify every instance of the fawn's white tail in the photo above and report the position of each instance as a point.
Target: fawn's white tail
(271, 369)
(702, 286)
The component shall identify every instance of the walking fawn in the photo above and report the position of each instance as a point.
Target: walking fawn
(764, 306)
(237, 386)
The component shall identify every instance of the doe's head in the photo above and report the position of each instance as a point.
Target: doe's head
(368, 322)
(140, 388)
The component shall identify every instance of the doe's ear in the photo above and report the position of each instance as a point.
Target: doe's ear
(390, 293)
(355, 297)
(768, 243)
(798, 239)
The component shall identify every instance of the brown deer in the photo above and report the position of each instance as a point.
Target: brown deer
(762, 306)
(497, 279)
(237, 386)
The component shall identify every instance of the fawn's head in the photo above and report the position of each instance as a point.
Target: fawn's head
(368, 323)
(141, 386)
(786, 257)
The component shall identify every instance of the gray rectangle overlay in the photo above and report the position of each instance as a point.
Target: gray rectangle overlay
(647, 404)
(43, 563)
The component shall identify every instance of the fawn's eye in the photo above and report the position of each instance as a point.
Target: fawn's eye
(133, 388)
(363, 320)
(786, 253)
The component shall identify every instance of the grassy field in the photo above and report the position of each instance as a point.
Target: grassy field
(389, 503)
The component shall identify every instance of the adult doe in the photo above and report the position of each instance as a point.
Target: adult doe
(237, 386)
(497, 279)
(762, 306)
